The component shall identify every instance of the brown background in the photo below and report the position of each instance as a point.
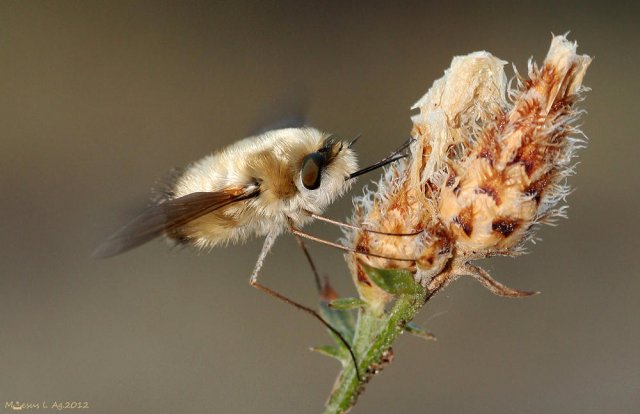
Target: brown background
(98, 99)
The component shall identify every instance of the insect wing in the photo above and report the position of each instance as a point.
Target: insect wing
(169, 216)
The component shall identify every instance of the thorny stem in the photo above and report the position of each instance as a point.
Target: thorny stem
(372, 347)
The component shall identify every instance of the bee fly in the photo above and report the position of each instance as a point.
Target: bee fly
(262, 185)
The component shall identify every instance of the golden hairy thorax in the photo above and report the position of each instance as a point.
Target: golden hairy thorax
(271, 161)
(275, 174)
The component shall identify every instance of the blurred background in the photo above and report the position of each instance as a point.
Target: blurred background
(100, 99)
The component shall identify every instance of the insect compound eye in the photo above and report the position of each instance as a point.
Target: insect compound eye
(311, 172)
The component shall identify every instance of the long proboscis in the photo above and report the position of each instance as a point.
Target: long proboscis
(394, 156)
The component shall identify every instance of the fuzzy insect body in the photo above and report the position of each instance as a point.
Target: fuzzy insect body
(272, 162)
(258, 186)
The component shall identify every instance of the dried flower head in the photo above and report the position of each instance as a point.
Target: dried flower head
(487, 165)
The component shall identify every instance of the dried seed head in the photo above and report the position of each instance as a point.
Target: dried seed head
(484, 169)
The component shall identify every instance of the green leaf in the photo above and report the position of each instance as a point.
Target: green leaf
(394, 281)
(347, 303)
(331, 351)
(342, 320)
(419, 332)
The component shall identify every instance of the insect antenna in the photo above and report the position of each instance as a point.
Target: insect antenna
(354, 140)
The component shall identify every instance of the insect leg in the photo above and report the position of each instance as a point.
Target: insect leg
(314, 269)
(345, 248)
(266, 248)
(351, 226)
(268, 244)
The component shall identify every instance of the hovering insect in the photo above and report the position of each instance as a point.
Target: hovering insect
(262, 185)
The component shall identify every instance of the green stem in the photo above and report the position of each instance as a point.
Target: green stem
(373, 338)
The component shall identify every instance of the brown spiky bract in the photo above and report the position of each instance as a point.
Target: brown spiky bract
(487, 165)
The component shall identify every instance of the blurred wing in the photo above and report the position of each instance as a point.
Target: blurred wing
(168, 216)
(288, 110)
